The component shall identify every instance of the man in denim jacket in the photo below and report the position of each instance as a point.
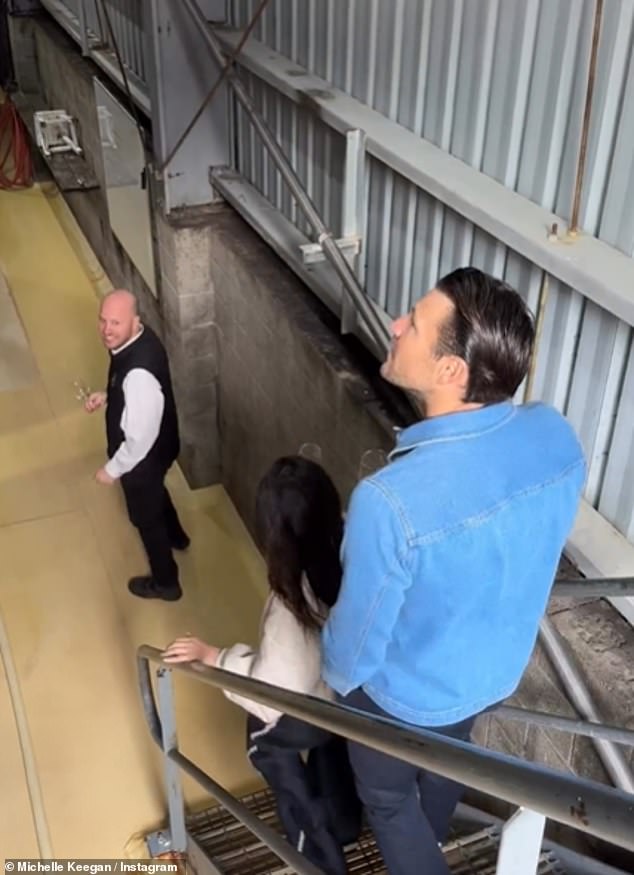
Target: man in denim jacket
(450, 551)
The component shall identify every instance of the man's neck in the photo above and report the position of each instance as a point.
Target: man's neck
(433, 407)
(128, 342)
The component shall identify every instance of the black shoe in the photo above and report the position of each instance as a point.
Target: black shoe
(181, 543)
(146, 588)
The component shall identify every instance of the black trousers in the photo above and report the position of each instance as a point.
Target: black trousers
(316, 799)
(409, 809)
(150, 509)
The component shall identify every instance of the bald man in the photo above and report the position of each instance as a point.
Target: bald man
(142, 435)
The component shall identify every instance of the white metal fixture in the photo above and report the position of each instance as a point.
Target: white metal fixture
(55, 132)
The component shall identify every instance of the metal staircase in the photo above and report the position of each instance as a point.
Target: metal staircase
(242, 836)
(233, 851)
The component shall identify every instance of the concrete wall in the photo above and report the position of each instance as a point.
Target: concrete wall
(187, 305)
(286, 376)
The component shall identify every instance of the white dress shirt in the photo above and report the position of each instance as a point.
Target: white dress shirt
(140, 421)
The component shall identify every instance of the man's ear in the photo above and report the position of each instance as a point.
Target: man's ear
(454, 371)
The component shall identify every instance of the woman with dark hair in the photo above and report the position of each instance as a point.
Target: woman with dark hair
(299, 525)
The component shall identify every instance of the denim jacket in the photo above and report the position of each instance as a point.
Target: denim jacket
(449, 555)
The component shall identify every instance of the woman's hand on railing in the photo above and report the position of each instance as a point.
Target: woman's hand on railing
(190, 649)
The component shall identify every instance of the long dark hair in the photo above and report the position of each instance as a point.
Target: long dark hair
(299, 526)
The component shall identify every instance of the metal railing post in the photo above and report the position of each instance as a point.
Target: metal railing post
(83, 29)
(521, 843)
(177, 840)
(353, 216)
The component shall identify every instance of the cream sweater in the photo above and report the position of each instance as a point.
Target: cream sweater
(289, 656)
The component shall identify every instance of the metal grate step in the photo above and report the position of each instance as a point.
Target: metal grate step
(234, 851)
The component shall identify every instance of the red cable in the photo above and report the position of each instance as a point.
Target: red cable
(16, 166)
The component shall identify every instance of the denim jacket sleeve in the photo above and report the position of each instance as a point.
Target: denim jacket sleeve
(358, 631)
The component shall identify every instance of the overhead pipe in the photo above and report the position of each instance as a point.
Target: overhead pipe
(611, 756)
(585, 125)
(325, 237)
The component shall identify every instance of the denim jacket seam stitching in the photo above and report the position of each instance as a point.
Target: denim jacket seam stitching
(503, 691)
(365, 627)
(396, 506)
(426, 442)
(401, 556)
(479, 518)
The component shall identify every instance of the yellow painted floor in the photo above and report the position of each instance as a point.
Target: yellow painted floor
(70, 714)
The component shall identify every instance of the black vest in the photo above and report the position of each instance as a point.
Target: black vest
(145, 352)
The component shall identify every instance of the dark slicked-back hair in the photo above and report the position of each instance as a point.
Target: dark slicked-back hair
(490, 328)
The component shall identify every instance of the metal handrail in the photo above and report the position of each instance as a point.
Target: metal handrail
(601, 587)
(585, 805)
(615, 734)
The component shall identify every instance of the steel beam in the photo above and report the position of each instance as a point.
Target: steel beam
(600, 587)
(181, 71)
(596, 269)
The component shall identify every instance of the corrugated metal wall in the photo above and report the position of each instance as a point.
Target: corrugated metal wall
(499, 84)
(126, 18)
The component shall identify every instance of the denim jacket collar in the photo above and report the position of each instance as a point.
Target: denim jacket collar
(453, 426)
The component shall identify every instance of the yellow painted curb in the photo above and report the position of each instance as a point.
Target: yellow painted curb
(75, 236)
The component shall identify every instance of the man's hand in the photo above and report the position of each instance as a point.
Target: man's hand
(94, 401)
(104, 478)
